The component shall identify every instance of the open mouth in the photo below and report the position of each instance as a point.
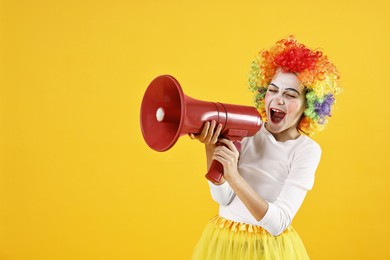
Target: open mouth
(277, 115)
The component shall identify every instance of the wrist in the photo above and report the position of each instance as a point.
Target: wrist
(209, 146)
(232, 177)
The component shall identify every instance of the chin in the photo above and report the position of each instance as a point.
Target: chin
(275, 128)
(280, 127)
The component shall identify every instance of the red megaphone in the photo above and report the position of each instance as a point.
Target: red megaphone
(167, 114)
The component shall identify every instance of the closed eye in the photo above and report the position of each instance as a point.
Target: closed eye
(273, 88)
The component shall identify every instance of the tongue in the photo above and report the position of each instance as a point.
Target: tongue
(278, 116)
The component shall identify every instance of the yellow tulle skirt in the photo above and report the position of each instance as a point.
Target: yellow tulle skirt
(224, 239)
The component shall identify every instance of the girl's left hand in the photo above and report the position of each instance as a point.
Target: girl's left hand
(227, 154)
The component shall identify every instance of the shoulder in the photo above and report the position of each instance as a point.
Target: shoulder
(308, 145)
(307, 151)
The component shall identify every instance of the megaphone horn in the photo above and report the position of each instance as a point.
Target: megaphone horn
(167, 114)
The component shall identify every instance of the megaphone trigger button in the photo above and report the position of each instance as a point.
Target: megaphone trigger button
(237, 132)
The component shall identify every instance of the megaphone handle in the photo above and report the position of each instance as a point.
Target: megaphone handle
(216, 169)
(215, 172)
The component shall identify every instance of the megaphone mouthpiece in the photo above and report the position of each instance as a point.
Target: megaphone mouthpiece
(160, 113)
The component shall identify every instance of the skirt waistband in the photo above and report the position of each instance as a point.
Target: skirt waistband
(223, 223)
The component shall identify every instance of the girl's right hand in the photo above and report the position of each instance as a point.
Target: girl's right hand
(209, 135)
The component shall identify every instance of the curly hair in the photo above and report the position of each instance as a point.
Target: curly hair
(315, 72)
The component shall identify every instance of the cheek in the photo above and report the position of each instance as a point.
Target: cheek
(266, 98)
(295, 107)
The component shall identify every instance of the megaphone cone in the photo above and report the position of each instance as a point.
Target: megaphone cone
(162, 112)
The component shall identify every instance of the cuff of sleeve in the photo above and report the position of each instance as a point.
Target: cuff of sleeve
(222, 194)
(264, 222)
(223, 186)
(268, 221)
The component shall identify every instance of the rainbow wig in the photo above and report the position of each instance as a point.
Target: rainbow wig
(314, 70)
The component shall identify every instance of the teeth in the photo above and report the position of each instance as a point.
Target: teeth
(276, 110)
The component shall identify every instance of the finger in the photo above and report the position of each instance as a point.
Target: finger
(224, 159)
(216, 134)
(228, 154)
(204, 132)
(192, 136)
(223, 151)
(220, 159)
(229, 144)
(232, 150)
(210, 132)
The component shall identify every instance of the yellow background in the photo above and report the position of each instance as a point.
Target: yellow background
(77, 180)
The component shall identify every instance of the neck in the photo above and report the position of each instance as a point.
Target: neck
(286, 135)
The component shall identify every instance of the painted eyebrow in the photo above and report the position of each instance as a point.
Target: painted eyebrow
(291, 89)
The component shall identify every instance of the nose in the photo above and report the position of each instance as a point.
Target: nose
(279, 101)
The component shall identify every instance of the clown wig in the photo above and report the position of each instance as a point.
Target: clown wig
(314, 70)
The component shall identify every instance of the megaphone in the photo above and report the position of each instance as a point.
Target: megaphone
(167, 114)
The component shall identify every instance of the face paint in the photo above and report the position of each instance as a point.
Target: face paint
(284, 103)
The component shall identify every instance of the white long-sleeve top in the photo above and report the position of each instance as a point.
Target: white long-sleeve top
(280, 172)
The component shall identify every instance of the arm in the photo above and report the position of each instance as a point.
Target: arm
(299, 181)
(277, 216)
(221, 192)
(209, 137)
(228, 157)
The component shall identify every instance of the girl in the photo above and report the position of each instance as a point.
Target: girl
(264, 186)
